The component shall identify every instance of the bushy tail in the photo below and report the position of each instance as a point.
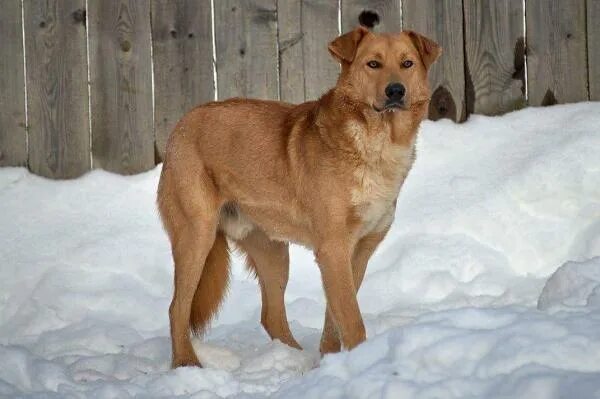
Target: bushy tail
(212, 286)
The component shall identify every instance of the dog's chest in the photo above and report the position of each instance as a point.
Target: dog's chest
(378, 180)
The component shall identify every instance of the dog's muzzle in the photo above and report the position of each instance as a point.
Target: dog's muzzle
(395, 93)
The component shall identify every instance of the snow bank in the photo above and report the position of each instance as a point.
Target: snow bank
(572, 285)
(492, 208)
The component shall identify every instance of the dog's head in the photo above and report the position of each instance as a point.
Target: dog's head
(388, 72)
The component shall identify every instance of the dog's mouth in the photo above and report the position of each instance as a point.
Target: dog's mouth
(394, 105)
(390, 106)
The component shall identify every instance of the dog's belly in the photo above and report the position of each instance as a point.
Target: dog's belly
(239, 221)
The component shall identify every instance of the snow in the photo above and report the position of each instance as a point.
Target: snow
(574, 284)
(486, 287)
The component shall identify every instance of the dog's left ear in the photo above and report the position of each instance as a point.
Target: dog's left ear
(428, 49)
(343, 48)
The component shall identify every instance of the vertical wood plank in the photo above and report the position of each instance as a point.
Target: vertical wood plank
(593, 48)
(183, 65)
(121, 85)
(57, 101)
(556, 51)
(494, 59)
(13, 136)
(319, 25)
(291, 56)
(441, 20)
(388, 11)
(246, 47)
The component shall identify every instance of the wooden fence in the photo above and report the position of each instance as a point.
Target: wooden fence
(99, 83)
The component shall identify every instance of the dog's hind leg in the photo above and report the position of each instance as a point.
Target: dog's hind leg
(189, 209)
(270, 260)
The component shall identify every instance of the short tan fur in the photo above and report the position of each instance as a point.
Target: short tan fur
(325, 174)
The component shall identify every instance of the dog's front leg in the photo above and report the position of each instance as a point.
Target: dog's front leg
(334, 259)
(330, 340)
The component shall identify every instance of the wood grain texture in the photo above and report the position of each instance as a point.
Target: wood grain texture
(291, 56)
(57, 100)
(556, 51)
(246, 47)
(319, 25)
(494, 59)
(13, 136)
(183, 64)
(441, 20)
(389, 12)
(593, 48)
(121, 85)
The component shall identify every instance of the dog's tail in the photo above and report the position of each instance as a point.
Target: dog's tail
(212, 286)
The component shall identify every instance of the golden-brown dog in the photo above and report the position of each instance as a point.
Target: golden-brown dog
(325, 174)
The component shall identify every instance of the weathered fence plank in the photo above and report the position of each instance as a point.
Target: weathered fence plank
(388, 12)
(291, 56)
(246, 41)
(494, 56)
(183, 62)
(57, 100)
(593, 48)
(319, 25)
(121, 85)
(264, 49)
(556, 51)
(441, 20)
(13, 136)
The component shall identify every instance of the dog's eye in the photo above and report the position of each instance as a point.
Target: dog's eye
(407, 64)
(374, 64)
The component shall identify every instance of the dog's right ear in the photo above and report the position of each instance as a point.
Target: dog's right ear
(343, 48)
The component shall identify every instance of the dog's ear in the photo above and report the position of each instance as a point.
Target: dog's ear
(428, 49)
(343, 48)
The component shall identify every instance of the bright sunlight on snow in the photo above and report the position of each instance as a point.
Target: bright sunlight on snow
(488, 285)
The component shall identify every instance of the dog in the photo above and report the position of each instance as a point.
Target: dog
(325, 174)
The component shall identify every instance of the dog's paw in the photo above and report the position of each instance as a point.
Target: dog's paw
(185, 362)
(330, 347)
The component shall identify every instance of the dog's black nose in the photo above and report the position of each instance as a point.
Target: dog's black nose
(395, 91)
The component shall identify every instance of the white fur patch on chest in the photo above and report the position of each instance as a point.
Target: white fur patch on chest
(379, 179)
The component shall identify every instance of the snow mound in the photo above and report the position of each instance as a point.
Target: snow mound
(462, 299)
(574, 284)
(465, 353)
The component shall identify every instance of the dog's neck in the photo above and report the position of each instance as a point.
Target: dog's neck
(339, 112)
